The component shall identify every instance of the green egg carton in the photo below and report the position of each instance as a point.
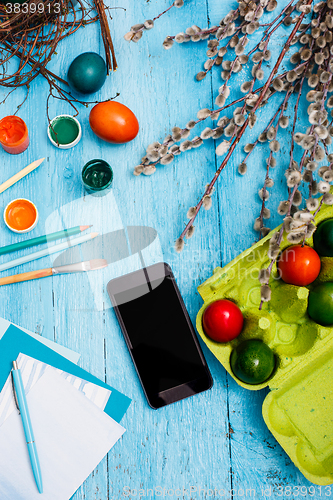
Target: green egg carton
(299, 409)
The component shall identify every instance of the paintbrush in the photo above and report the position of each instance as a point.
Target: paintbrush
(89, 265)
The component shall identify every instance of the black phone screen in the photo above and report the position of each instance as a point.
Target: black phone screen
(162, 341)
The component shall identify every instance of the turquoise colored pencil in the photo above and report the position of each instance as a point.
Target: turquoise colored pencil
(58, 247)
(65, 233)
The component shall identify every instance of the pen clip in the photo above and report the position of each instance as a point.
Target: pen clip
(14, 392)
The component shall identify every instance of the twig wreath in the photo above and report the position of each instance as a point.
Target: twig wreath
(311, 28)
(30, 33)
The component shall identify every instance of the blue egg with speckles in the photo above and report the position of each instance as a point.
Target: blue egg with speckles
(87, 73)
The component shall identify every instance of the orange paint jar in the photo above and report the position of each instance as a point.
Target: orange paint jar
(14, 136)
(21, 215)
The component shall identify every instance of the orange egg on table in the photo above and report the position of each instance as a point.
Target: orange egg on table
(113, 122)
(21, 215)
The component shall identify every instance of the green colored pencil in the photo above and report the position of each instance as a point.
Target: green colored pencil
(43, 239)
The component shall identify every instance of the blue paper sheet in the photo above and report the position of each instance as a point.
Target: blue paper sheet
(64, 351)
(15, 341)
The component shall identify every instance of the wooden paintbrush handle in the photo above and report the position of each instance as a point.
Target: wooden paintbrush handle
(32, 275)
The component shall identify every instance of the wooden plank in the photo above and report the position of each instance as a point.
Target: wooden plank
(214, 440)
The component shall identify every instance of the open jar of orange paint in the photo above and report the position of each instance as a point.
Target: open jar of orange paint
(21, 215)
(14, 136)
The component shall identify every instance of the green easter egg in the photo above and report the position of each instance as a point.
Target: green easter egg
(323, 238)
(252, 361)
(87, 73)
(320, 307)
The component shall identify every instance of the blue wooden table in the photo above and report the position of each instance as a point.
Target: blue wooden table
(214, 444)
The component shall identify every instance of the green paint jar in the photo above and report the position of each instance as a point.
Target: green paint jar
(97, 177)
(64, 131)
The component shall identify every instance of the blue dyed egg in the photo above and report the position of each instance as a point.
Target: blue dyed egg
(87, 73)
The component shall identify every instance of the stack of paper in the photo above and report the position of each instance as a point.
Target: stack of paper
(15, 340)
(71, 413)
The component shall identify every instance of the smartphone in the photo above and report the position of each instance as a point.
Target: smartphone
(159, 335)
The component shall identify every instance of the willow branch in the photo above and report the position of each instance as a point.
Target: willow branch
(244, 127)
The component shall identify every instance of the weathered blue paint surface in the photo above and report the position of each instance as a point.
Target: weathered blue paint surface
(214, 440)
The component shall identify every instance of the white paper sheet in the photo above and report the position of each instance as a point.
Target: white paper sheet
(31, 370)
(72, 436)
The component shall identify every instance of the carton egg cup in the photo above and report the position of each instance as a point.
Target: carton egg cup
(299, 409)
